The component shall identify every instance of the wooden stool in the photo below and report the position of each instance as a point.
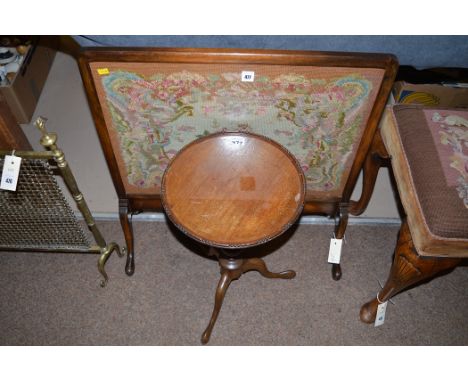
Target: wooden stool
(232, 191)
(427, 148)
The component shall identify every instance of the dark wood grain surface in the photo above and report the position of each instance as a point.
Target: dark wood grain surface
(11, 134)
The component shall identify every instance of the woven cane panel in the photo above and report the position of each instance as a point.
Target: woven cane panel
(152, 110)
(36, 215)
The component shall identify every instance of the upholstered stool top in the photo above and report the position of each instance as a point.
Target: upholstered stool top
(429, 150)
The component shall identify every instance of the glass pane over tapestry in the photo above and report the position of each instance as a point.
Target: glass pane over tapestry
(152, 110)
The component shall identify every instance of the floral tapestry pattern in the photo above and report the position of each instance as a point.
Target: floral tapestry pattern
(318, 120)
(453, 133)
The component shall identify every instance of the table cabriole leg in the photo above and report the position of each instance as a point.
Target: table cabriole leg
(232, 269)
(257, 264)
(227, 276)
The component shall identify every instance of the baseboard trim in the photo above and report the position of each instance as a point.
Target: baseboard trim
(318, 220)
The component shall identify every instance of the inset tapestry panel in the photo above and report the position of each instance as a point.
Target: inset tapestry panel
(449, 129)
(152, 110)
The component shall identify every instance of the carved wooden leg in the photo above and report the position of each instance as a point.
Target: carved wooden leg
(256, 264)
(232, 269)
(376, 157)
(340, 230)
(226, 277)
(126, 224)
(408, 268)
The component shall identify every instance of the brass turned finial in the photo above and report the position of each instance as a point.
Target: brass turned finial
(48, 139)
(40, 124)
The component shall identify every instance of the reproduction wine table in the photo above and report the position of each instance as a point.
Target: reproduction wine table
(232, 191)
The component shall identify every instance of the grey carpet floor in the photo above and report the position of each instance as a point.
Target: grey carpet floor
(55, 299)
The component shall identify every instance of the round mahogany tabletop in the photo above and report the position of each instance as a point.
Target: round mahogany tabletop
(233, 190)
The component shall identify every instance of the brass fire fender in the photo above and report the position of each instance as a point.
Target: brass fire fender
(56, 155)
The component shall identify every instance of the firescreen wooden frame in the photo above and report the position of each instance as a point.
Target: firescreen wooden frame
(130, 203)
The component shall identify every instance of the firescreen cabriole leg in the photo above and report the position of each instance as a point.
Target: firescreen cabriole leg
(126, 222)
(376, 158)
(340, 230)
